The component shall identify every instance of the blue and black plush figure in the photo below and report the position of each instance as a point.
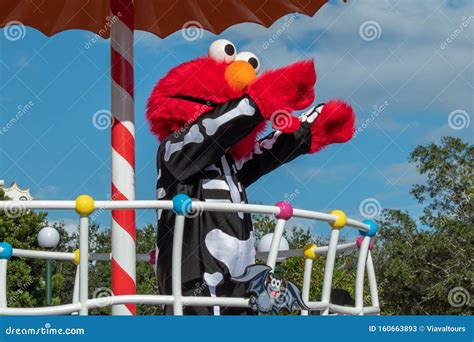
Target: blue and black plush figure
(269, 293)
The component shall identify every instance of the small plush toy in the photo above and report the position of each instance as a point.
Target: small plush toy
(207, 114)
(269, 293)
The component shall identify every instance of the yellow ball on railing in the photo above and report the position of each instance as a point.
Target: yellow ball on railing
(76, 257)
(84, 205)
(341, 219)
(309, 251)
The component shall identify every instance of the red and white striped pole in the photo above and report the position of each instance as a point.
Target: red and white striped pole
(123, 152)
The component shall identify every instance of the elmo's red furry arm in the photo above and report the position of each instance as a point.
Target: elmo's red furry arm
(281, 91)
(334, 124)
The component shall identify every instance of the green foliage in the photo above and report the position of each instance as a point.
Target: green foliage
(449, 189)
(420, 268)
(26, 276)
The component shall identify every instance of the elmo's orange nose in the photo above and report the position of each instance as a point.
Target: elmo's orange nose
(240, 74)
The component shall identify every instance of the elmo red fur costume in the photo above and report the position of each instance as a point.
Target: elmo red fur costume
(207, 114)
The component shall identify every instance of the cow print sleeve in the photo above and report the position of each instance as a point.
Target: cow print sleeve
(191, 149)
(276, 149)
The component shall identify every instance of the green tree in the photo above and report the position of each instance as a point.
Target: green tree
(426, 267)
(26, 285)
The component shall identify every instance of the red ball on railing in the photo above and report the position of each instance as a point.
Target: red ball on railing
(286, 210)
(152, 257)
(359, 242)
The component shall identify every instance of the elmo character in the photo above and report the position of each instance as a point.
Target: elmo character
(207, 114)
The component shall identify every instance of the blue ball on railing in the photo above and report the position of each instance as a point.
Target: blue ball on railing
(182, 204)
(372, 228)
(6, 250)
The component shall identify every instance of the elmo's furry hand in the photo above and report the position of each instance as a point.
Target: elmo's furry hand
(281, 91)
(331, 123)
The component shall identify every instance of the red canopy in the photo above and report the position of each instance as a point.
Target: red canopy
(161, 17)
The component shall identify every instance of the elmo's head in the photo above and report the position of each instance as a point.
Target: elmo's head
(195, 87)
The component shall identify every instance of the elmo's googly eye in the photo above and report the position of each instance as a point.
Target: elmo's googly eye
(222, 50)
(249, 57)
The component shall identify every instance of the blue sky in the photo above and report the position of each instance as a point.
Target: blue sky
(403, 65)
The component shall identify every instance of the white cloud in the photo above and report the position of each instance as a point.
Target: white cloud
(47, 192)
(390, 124)
(437, 133)
(408, 65)
(334, 173)
(402, 174)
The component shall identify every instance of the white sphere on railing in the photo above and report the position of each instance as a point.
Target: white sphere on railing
(265, 242)
(48, 237)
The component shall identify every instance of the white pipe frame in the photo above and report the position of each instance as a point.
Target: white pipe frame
(361, 262)
(83, 264)
(82, 304)
(329, 269)
(75, 291)
(275, 245)
(3, 283)
(177, 255)
(374, 295)
(308, 267)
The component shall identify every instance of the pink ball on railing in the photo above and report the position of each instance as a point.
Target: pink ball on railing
(286, 210)
(359, 242)
(152, 257)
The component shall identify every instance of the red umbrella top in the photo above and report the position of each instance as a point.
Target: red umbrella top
(161, 17)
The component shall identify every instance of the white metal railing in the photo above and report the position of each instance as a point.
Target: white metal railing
(182, 205)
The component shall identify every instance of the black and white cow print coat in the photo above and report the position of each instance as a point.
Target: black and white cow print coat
(217, 246)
